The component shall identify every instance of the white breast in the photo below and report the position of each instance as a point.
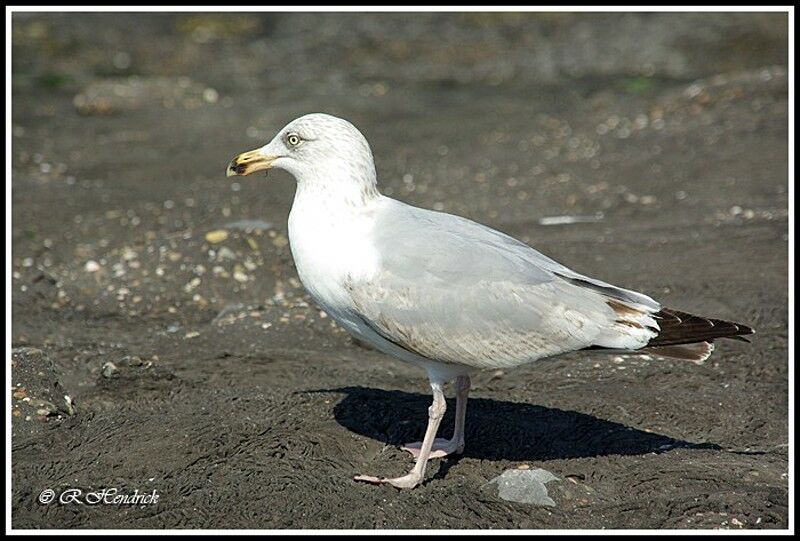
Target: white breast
(331, 244)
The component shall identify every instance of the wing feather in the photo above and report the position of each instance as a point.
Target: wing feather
(458, 292)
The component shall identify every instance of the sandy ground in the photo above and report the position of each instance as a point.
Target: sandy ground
(196, 365)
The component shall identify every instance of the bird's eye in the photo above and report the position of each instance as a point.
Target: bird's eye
(293, 139)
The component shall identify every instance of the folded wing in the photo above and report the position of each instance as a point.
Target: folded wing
(455, 291)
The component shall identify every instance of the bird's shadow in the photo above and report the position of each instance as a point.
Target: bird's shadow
(497, 429)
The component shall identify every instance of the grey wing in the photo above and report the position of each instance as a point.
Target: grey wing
(458, 292)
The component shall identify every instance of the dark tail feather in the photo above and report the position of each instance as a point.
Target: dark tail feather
(687, 337)
(678, 328)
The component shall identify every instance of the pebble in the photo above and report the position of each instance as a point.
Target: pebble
(109, 369)
(122, 60)
(225, 253)
(217, 236)
(193, 283)
(210, 95)
(525, 486)
(128, 254)
(280, 241)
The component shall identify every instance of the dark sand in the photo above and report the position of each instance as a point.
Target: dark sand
(243, 407)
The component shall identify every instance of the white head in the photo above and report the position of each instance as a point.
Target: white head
(321, 151)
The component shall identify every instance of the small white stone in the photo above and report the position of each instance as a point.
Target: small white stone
(193, 283)
(525, 486)
(210, 95)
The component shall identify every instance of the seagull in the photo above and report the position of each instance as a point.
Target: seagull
(445, 293)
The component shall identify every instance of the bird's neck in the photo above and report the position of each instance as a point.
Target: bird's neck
(333, 193)
(330, 232)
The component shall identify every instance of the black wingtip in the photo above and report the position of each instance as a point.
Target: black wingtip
(678, 327)
(745, 329)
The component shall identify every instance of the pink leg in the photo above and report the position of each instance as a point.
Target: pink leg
(455, 445)
(414, 477)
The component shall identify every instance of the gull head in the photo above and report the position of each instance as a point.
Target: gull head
(317, 149)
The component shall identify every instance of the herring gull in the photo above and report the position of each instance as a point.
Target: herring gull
(443, 292)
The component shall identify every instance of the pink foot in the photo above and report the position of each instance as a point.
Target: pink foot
(441, 447)
(407, 481)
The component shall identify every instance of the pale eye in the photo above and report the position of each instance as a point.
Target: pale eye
(293, 139)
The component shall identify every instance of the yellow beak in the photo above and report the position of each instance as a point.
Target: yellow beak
(249, 162)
